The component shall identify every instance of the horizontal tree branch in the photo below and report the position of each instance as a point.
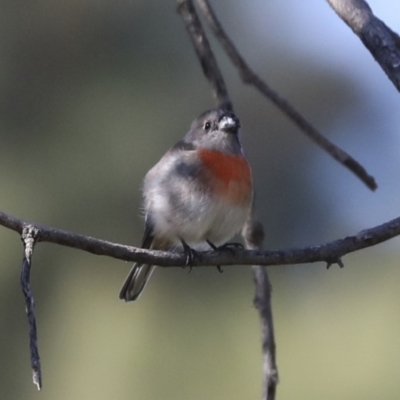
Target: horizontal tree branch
(330, 252)
(378, 38)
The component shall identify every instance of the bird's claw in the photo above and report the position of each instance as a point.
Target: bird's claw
(231, 247)
(190, 255)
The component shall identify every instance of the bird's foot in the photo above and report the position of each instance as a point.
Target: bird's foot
(190, 254)
(231, 247)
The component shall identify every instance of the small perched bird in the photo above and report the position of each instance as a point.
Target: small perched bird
(199, 192)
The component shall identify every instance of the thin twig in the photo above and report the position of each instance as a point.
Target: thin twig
(330, 252)
(204, 53)
(379, 39)
(250, 77)
(29, 237)
(253, 234)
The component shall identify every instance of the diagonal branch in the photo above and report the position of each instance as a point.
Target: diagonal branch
(204, 53)
(250, 77)
(330, 252)
(379, 39)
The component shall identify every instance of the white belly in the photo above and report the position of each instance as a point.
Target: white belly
(200, 218)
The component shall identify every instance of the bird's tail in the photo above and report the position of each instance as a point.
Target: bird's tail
(136, 281)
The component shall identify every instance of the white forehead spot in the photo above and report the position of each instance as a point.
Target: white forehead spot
(227, 122)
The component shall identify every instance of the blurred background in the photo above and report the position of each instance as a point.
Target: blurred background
(91, 95)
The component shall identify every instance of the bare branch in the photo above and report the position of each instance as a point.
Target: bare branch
(250, 77)
(379, 39)
(29, 238)
(330, 252)
(253, 234)
(204, 53)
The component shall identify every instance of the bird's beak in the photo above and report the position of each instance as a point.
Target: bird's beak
(229, 124)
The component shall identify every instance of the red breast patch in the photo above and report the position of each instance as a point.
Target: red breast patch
(230, 175)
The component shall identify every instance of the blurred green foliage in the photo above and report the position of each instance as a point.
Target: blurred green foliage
(91, 95)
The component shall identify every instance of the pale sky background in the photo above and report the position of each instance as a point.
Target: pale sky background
(316, 32)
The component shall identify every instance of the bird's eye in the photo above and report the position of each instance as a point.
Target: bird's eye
(207, 126)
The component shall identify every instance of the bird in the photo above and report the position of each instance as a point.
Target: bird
(200, 192)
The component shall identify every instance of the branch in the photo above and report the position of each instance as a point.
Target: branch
(379, 39)
(248, 76)
(29, 237)
(204, 53)
(253, 234)
(330, 253)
